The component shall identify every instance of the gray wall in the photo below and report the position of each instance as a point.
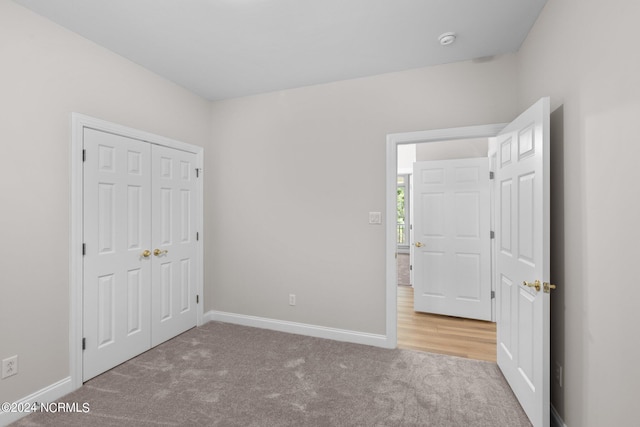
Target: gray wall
(584, 55)
(295, 219)
(46, 73)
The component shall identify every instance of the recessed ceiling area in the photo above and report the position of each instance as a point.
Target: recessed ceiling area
(223, 49)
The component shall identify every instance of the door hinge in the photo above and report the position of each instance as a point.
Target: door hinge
(411, 267)
(492, 234)
(491, 175)
(197, 236)
(84, 249)
(84, 343)
(493, 294)
(84, 155)
(197, 299)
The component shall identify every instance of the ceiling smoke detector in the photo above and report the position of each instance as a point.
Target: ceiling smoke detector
(446, 39)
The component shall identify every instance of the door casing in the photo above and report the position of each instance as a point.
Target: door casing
(78, 123)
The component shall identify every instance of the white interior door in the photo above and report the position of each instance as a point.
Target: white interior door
(117, 277)
(522, 210)
(451, 265)
(140, 239)
(174, 241)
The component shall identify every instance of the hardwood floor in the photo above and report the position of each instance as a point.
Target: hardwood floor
(455, 336)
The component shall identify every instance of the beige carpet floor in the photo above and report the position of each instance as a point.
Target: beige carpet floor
(229, 375)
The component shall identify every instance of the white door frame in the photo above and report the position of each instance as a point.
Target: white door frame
(393, 140)
(78, 123)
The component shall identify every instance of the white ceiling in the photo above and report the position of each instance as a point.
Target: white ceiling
(228, 48)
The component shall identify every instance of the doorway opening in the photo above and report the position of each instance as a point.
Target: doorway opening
(519, 156)
(405, 327)
(450, 329)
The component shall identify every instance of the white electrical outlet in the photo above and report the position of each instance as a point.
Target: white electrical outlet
(292, 299)
(9, 366)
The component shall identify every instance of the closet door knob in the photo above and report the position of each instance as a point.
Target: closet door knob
(158, 252)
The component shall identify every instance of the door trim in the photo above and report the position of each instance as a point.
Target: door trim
(393, 140)
(76, 226)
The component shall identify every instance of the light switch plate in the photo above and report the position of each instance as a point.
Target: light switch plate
(375, 218)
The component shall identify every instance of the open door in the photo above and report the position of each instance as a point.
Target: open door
(522, 260)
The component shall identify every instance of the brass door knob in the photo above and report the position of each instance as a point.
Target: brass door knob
(158, 252)
(419, 244)
(547, 287)
(535, 284)
(146, 253)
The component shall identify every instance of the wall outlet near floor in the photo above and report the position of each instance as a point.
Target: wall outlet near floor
(292, 299)
(9, 366)
(557, 373)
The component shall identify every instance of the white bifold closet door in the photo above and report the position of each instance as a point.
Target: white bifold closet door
(140, 248)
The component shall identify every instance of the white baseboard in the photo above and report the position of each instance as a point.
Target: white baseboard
(48, 394)
(299, 328)
(556, 420)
